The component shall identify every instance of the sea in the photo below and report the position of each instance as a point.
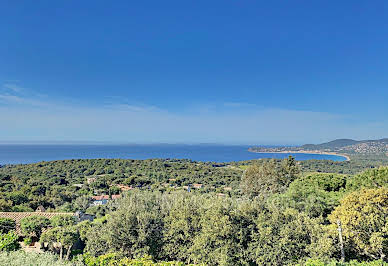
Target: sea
(32, 153)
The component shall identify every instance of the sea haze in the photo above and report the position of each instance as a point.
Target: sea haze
(16, 154)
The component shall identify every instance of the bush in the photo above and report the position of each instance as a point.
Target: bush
(363, 215)
(27, 241)
(9, 241)
(112, 259)
(7, 225)
(312, 262)
(21, 258)
(316, 194)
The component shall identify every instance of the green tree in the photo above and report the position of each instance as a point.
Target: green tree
(18, 198)
(181, 225)
(363, 217)
(221, 238)
(134, 230)
(62, 220)
(5, 205)
(282, 237)
(66, 237)
(34, 225)
(269, 177)
(317, 194)
(82, 203)
(7, 225)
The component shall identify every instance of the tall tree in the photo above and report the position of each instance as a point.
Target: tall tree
(270, 177)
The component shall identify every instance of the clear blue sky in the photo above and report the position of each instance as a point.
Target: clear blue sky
(257, 72)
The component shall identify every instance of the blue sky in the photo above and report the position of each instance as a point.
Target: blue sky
(252, 72)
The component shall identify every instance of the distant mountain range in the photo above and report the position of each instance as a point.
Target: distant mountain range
(344, 146)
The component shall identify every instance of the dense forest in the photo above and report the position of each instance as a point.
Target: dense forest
(180, 212)
(58, 184)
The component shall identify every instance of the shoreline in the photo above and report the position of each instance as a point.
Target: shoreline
(347, 157)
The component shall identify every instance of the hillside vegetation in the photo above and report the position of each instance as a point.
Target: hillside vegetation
(265, 212)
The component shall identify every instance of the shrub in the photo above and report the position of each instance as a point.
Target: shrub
(9, 241)
(7, 225)
(312, 262)
(112, 259)
(27, 241)
(21, 258)
(363, 215)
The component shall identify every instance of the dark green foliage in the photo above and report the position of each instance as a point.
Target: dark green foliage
(61, 183)
(207, 229)
(357, 165)
(7, 225)
(372, 178)
(287, 237)
(34, 225)
(134, 230)
(317, 194)
(284, 223)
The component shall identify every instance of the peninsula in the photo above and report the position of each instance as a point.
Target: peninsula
(347, 148)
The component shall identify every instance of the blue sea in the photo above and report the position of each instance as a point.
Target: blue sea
(22, 154)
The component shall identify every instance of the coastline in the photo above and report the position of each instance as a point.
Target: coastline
(347, 157)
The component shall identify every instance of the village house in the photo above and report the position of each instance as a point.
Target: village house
(103, 199)
(123, 187)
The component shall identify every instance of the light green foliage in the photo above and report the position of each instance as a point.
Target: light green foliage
(317, 262)
(112, 259)
(21, 258)
(62, 220)
(33, 225)
(207, 229)
(9, 241)
(82, 203)
(27, 241)
(5, 205)
(7, 225)
(363, 215)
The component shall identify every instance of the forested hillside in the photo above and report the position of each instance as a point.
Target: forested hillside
(58, 184)
(264, 212)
